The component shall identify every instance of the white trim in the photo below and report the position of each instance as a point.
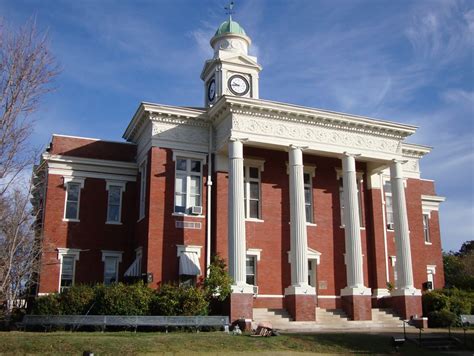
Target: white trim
(67, 252)
(270, 296)
(188, 215)
(431, 269)
(67, 181)
(393, 260)
(188, 248)
(314, 255)
(328, 296)
(431, 203)
(117, 255)
(258, 164)
(254, 252)
(121, 185)
(143, 171)
(254, 220)
(255, 162)
(187, 176)
(189, 154)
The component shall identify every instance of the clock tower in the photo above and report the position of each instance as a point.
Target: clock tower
(231, 71)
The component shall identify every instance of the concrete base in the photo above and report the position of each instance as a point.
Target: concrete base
(241, 307)
(407, 306)
(301, 307)
(357, 307)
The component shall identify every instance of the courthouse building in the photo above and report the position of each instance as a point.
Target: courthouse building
(309, 207)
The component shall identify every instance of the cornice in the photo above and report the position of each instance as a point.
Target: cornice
(309, 116)
(415, 151)
(165, 113)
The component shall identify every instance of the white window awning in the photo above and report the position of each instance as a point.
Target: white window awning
(189, 263)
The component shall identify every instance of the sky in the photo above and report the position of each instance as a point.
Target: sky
(405, 61)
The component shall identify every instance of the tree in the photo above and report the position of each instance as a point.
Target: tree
(459, 267)
(27, 69)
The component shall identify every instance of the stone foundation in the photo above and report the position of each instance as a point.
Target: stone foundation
(301, 307)
(357, 307)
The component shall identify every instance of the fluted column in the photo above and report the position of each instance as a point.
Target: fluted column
(402, 237)
(236, 211)
(298, 236)
(355, 274)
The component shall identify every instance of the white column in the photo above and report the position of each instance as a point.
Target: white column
(402, 236)
(236, 211)
(353, 257)
(299, 241)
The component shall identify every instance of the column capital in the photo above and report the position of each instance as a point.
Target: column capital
(293, 147)
(238, 139)
(350, 154)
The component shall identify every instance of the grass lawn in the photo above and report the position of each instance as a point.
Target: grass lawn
(127, 343)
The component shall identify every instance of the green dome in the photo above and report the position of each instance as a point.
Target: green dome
(230, 26)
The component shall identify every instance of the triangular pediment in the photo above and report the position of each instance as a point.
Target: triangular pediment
(240, 59)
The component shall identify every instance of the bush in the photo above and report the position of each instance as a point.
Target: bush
(121, 299)
(171, 299)
(77, 300)
(434, 301)
(441, 319)
(47, 305)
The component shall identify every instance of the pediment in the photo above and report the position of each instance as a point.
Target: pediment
(240, 59)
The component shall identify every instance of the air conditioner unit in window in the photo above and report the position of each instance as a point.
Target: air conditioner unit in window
(196, 210)
(390, 226)
(255, 291)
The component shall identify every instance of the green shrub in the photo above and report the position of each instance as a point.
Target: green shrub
(193, 301)
(47, 305)
(121, 299)
(77, 300)
(165, 301)
(434, 301)
(217, 284)
(441, 319)
(171, 299)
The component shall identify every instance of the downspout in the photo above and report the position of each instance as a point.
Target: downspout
(209, 198)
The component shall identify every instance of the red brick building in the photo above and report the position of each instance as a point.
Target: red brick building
(309, 207)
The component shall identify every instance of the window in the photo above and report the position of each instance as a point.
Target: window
(73, 191)
(187, 280)
(359, 200)
(387, 188)
(426, 228)
(114, 205)
(67, 261)
(187, 184)
(308, 197)
(142, 171)
(251, 270)
(430, 273)
(67, 272)
(111, 261)
(252, 192)
(110, 270)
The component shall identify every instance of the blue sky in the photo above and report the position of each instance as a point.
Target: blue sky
(405, 61)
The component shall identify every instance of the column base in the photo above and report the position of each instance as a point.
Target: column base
(357, 303)
(241, 309)
(300, 302)
(380, 297)
(407, 305)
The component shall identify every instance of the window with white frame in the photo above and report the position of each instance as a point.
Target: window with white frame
(426, 228)
(308, 197)
(252, 192)
(188, 184)
(251, 270)
(114, 202)
(142, 171)
(111, 261)
(73, 194)
(359, 200)
(430, 273)
(387, 188)
(67, 259)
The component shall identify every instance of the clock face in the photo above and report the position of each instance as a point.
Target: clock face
(211, 90)
(238, 85)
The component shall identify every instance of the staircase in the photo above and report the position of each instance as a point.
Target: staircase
(326, 319)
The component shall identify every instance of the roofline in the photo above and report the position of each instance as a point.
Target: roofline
(304, 110)
(166, 109)
(94, 139)
(420, 150)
